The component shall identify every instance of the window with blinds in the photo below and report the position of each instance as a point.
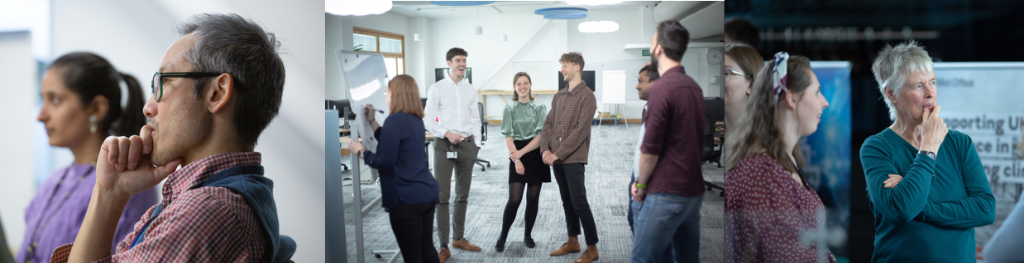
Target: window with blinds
(391, 45)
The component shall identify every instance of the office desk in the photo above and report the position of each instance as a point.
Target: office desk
(719, 132)
(345, 140)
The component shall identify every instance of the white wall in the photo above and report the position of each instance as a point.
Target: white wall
(492, 60)
(487, 54)
(18, 70)
(609, 47)
(339, 36)
(597, 47)
(133, 35)
(335, 39)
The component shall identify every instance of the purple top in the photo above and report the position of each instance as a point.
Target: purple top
(674, 130)
(58, 209)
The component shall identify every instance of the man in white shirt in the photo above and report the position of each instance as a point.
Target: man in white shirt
(452, 115)
(643, 87)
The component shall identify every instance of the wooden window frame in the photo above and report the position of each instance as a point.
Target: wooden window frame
(378, 34)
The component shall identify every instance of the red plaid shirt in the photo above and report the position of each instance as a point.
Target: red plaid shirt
(205, 224)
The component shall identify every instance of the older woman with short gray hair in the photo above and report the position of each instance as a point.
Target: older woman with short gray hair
(926, 184)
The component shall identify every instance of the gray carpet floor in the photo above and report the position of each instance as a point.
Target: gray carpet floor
(607, 176)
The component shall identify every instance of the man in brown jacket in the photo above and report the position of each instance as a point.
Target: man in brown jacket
(565, 143)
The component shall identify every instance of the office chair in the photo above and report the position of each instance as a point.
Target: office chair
(5, 251)
(483, 129)
(714, 107)
(708, 153)
(344, 112)
(426, 144)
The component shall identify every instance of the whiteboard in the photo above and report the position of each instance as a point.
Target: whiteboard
(544, 74)
(614, 84)
(631, 68)
(367, 80)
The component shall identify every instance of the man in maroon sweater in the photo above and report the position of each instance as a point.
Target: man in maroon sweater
(669, 190)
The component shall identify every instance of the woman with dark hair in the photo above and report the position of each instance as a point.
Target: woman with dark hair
(521, 124)
(84, 100)
(408, 190)
(771, 213)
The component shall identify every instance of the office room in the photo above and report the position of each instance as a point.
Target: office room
(132, 37)
(497, 40)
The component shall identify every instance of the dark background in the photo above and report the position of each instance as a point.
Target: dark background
(967, 31)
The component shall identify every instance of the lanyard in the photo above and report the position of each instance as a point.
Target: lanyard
(45, 220)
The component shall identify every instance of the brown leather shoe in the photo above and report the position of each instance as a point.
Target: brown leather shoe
(571, 246)
(588, 256)
(465, 245)
(444, 254)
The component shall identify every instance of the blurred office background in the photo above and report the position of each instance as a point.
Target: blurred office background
(855, 31)
(133, 36)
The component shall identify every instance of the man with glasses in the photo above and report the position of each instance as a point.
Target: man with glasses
(219, 86)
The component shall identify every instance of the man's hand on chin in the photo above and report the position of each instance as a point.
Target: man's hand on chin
(124, 167)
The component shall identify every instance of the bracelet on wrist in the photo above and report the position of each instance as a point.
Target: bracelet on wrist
(641, 186)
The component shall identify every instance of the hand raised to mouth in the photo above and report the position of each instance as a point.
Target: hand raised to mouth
(125, 167)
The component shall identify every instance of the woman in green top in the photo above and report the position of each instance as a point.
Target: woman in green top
(521, 125)
(942, 192)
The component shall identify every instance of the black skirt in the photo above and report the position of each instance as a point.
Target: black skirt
(535, 171)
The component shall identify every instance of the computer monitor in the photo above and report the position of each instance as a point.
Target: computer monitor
(442, 73)
(339, 105)
(715, 108)
(587, 76)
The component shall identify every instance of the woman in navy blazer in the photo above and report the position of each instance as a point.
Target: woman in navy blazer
(408, 190)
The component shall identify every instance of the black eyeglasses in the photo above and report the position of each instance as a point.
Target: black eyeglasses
(158, 78)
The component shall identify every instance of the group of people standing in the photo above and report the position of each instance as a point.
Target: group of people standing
(542, 140)
(926, 185)
(537, 139)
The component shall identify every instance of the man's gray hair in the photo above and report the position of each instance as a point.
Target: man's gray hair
(228, 43)
(894, 64)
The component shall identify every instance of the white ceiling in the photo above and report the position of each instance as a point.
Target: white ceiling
(426, 9)
(703, 19)
(705, 22)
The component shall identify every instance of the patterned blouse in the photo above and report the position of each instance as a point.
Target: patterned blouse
(769, 217)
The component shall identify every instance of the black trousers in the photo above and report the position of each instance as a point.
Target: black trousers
(413, 226)
(573, 191)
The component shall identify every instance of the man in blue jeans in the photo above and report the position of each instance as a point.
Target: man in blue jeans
(670, 161)
(643, 87)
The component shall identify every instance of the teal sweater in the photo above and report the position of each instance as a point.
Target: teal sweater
(926, 218)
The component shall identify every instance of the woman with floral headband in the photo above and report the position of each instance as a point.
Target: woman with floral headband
(770, 209)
